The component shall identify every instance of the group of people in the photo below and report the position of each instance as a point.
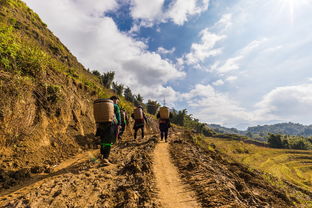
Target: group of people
(112, 120)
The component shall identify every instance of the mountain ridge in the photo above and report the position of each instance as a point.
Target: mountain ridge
(290, 128)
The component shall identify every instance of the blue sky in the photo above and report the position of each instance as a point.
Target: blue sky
(236, 63)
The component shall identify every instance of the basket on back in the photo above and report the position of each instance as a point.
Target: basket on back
(103, 110)
(138, 114)
(164, 112)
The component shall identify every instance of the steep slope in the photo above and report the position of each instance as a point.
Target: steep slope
(46, 95)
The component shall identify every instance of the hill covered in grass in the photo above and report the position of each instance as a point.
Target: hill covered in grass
(46, 112)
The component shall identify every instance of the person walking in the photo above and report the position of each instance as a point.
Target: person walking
(164, 122)
(124, 122)
(107, 116)
(139, 117)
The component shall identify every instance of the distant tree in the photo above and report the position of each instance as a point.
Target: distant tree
(96, 73)
(249, 134)
(118, 88)
(178, 117)
(139, 98)
(107, 79)
(152, 106)
(275, 140)
(128, 95)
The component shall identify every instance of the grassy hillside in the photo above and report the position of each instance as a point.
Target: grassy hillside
(294, 166)
(46, 111)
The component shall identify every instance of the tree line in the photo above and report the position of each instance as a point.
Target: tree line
(289, 142)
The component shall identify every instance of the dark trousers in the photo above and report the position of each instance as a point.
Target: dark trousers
(164, 133)
(138, 125)
(136, 132)
(107, 132)
(164, 127)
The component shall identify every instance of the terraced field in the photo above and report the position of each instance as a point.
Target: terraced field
(294, 166)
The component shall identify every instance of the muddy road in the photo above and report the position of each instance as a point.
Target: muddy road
(146, 173)
(83, 182)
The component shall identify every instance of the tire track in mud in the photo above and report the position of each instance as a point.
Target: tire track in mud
(82, 182)
(219, 183)
(172, 192)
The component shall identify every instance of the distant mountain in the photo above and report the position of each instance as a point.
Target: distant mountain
(221, 129)
(259, 132)
(282, 128)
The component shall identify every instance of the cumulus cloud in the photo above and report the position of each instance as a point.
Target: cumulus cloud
(177, 12)
(150, 11)
(231, 78)
(180, 10)
(288, 103)
(230, 65)
(219, 82)
(233, 63)
(162, 50)
(204, 49)
(98, 44)
(224, 23)
(214, 107)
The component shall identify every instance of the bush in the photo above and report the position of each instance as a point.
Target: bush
(32, 61)
(275, 140)
(18, 56)
(289, 142)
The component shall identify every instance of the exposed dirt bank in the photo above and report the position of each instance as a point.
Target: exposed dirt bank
(219, 183)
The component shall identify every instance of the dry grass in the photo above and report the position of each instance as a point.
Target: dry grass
(294, 166)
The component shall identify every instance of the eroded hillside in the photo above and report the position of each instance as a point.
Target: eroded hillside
(46, 112)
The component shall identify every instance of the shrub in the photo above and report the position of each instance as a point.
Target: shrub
(275, 140)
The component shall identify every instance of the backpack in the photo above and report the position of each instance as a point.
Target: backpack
(138, 114)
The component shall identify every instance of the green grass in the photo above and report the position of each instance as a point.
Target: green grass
(294, 166)
(28, 49)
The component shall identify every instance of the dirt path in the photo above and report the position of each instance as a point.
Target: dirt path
(82, 182)
(172, 192)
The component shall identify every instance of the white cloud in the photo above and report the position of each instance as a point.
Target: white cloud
(289, 103)
(180, 10)
(231, 78)
(162, 50)
(224, 23)
(252, 46)
(213, 107)
(98, 44)
(219, 82)
(96, 8)
(199, 90)
(292, 103)
(233, 63)
(230, 65)
(150, 11)
(204, 49)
